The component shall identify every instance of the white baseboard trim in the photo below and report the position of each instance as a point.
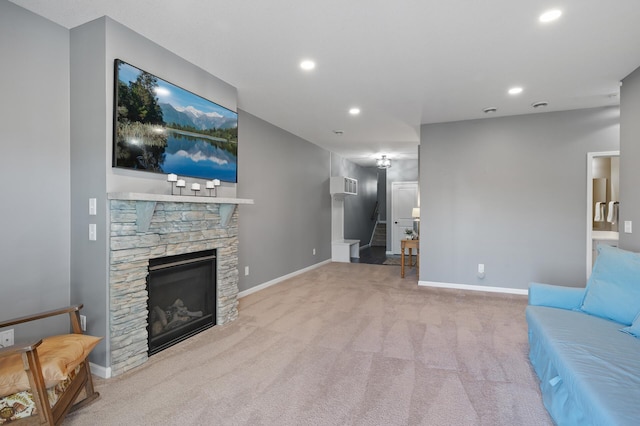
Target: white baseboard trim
(390, 253)
(100, 371)
(474, 287)
(279, 280)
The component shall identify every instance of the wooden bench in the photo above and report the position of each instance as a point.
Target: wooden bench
(344, 250)
(67, 401)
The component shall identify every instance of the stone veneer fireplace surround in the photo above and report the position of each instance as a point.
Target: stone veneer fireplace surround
(146, 226)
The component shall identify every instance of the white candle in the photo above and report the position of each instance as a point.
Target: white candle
(172, 178)
(195, 187)
(210, 184)
(216, 182)
(181, 183)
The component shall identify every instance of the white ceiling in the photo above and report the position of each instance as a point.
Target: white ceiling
(403, 62)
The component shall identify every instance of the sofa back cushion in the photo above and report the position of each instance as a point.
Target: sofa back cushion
(613, 290)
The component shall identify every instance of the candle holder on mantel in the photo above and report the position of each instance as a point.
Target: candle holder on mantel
(181, 184)
(213, 185)
(172, 179)
(195, 187)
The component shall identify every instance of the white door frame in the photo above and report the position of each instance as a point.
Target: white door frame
(590, 158)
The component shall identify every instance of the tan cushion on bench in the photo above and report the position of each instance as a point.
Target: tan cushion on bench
(58, 356)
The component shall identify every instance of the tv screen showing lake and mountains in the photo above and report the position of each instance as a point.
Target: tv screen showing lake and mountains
(162, 128)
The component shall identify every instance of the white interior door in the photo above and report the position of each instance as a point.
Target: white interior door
(404, 197)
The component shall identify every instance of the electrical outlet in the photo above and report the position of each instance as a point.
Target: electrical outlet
(480, 271)
(83, 322)
(6, 338)
(246, 270)
(314, 252)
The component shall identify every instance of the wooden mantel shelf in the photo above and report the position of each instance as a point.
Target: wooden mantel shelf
(146, 204)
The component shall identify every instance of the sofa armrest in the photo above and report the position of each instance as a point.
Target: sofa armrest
(20, 348)
(555, 296)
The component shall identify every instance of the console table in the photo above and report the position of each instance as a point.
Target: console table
(409, 244)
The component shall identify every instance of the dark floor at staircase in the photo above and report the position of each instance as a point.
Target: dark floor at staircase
(376, 254)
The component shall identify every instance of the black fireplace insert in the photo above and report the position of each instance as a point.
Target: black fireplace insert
(182, 297)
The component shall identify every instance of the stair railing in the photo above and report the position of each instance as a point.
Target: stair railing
(374, 214)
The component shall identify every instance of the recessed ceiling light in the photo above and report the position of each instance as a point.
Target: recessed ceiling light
(515, 90)
(354, 111)
(307, 65)
(489, 110)
(550, 15)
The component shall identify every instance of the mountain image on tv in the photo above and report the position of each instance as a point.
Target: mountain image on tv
(190, 116)
(162, 128)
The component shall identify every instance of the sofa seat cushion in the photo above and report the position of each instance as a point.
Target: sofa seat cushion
(589, 370)
(58, 356)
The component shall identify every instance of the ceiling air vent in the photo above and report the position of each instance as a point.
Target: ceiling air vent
(540, 104)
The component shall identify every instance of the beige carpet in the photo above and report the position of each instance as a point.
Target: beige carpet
(344, 344)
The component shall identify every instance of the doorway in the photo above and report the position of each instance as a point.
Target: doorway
(602, 196)
(404, 197)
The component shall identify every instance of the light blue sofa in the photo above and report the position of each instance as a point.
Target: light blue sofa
(585, 343)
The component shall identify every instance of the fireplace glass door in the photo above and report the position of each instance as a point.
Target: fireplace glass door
(182, 297)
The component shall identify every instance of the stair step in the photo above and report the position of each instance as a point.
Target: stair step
(380, 235)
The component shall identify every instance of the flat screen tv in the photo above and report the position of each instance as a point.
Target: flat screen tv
(162, 128)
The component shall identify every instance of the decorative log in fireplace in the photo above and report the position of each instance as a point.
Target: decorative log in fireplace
(182, 297)
(163, 320)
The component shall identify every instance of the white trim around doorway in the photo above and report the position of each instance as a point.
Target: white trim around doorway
(590, 158)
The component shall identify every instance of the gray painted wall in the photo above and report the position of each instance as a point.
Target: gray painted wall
(88, 179)
(629, 160)
(131, 47)
(288, 178)
(34, 168)
(510, 193)
(357, 208)
(382, 195)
